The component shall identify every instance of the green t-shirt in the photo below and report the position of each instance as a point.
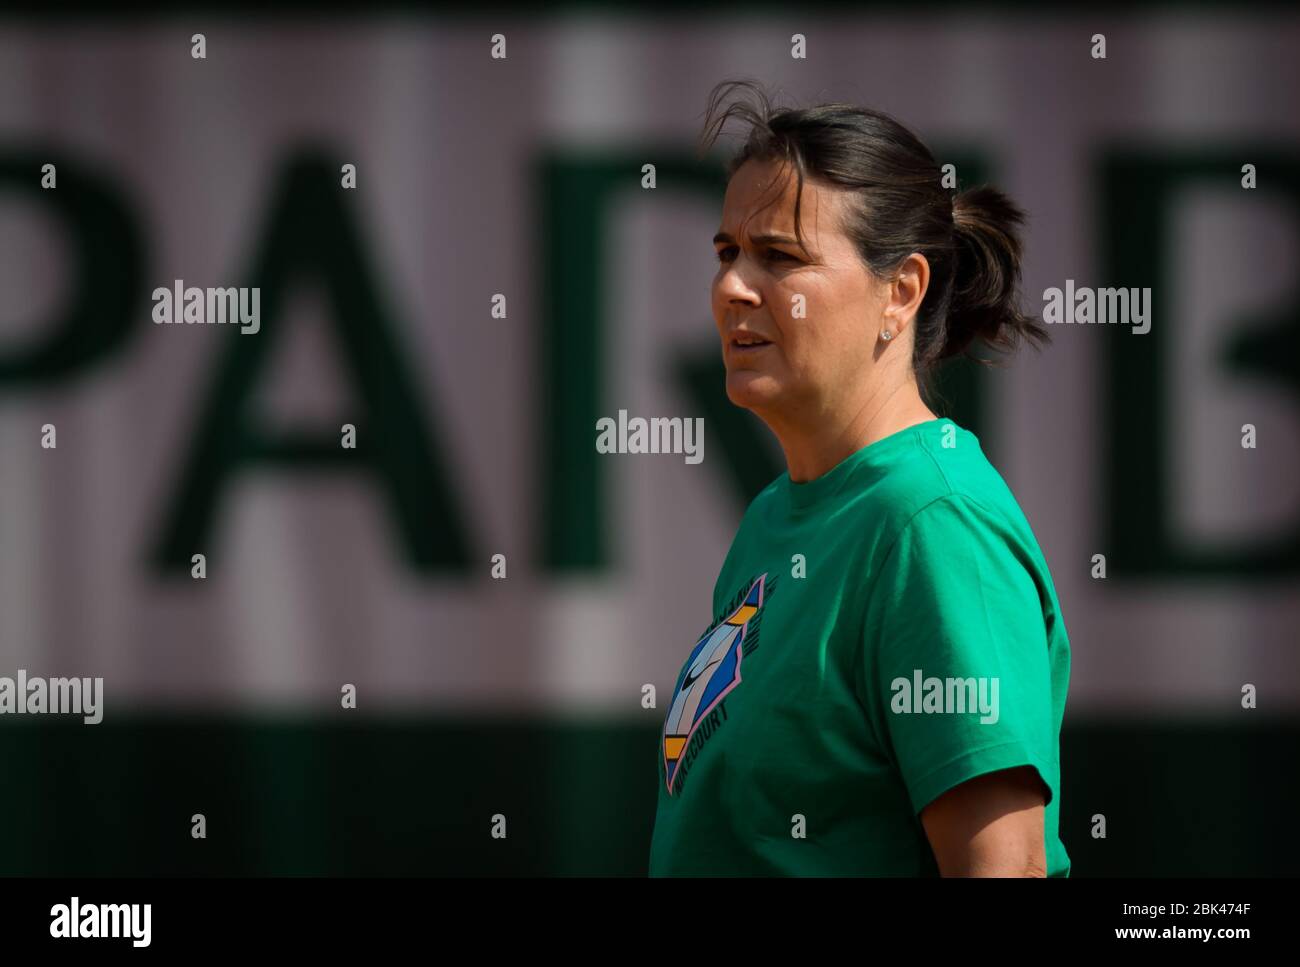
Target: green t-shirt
(880, 634)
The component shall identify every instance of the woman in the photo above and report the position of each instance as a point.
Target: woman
(881, 688)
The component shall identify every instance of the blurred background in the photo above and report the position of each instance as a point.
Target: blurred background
(522, 176)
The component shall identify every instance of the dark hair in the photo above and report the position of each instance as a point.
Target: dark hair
(971, 239)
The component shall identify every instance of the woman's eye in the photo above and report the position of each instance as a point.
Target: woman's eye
(775, 255)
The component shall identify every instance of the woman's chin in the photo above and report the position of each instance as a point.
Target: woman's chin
(752, 390)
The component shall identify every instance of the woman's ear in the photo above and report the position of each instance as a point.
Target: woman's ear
(906, 292)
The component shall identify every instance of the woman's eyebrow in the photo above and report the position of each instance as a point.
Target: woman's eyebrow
(757, 239)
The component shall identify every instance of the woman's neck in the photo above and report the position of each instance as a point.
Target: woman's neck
(814, 444)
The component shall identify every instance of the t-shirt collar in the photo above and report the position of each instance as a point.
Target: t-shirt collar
(874, 456)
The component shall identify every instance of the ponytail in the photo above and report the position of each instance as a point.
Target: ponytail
(985, 301)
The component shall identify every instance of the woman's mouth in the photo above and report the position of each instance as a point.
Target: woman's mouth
(748, 343)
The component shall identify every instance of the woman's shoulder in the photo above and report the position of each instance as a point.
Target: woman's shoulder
(947, 468)
(943, 458)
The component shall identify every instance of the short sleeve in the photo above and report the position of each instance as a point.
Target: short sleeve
(956, 652)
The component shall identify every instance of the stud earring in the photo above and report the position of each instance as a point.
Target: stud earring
(886, 335)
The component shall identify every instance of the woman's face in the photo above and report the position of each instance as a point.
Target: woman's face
(816, 351)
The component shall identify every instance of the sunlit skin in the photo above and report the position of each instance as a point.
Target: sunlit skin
(827, 385)
(991, 825)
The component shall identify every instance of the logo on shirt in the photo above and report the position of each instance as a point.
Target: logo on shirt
(712, 670)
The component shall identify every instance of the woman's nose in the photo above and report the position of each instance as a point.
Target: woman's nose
(733, 287)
